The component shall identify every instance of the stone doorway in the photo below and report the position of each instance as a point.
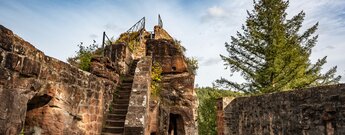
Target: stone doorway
(176, 126)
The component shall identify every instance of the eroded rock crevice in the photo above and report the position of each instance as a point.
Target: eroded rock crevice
(38, 101)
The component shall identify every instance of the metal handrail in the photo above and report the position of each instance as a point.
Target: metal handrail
(137, 26)
(105, 36)
(104, 42)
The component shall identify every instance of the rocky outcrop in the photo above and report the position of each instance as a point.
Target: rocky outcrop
(46, 96)
(312, 111)
(175, 111)
(168, 54)
(178, 107)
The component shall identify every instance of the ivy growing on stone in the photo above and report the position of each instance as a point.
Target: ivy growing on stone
(156, 77)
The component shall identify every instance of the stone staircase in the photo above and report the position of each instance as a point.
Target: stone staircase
(115, 121)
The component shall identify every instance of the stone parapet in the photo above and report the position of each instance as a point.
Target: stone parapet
(137, 122)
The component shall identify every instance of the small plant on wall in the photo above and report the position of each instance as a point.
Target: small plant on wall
(156, 80)
(83, 56)
(192, 62)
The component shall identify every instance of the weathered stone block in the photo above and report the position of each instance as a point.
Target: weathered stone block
(13, 62)
(1, 56)
(6, 44)
(30, 68)
(18, 48)
(4, 75)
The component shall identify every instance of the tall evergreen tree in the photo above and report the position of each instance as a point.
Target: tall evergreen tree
(272, 55)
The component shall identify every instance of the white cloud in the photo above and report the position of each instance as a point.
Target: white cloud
(216, 11)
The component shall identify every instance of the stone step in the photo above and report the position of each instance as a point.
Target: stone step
(125, 86)
(130, 80)
(116, 117)
(123, 92)
(122, 96)
(107, 129)
(115, 123)
(111, 133)
(119, 106)
(119, 111)
(121, 101)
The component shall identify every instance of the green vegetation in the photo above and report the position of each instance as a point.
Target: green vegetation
(132, 39)
(156, 77)
(83, 56)
(272, 54)
(192, 62)
(207, 108)
(179, 47)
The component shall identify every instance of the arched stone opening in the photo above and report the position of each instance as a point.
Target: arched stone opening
(36, 102)
(176, 125)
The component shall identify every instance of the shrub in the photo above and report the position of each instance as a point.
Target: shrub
(83, 56)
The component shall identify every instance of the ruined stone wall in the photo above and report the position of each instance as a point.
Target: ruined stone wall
(120, 55)
(46, 95)
(312, 111)
(137, 120)
(221, 104)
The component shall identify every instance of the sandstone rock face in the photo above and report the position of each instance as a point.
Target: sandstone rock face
(47, 96)
(176, 110)
(312, 111)
(178, 104)
(168, 54)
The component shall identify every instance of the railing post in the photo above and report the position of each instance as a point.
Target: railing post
(103, 42)
(160, 22)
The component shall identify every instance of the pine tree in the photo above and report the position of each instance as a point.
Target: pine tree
(272, 55)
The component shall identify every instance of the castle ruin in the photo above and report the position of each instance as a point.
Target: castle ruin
(42, 95)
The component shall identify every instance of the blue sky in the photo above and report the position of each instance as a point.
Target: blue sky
(203, 26)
